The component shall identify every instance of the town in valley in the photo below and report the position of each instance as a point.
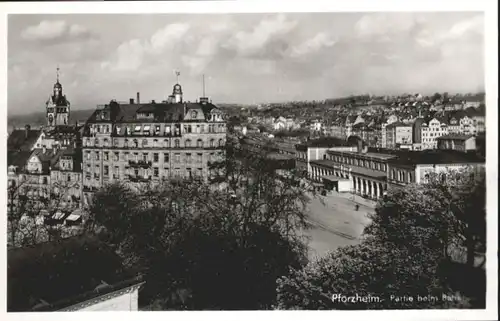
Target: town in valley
(183, 203)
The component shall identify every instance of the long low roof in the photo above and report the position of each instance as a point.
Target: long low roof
(380, 156)
(354, 169)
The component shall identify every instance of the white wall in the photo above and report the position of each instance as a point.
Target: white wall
(125, 302)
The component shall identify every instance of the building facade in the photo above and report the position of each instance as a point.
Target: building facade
(432, 130)
(459, 142)
(142, 142)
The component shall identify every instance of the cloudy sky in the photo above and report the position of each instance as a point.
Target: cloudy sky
(247, 58)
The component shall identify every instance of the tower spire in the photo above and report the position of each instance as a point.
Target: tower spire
(203, 85)
(57, 72)
(177, 74)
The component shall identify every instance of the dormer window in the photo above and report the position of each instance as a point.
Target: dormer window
(194, 114)
(137, 129)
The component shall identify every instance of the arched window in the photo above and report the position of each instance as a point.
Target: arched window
(177, 143)
(187, 143)
(155, 143)
(212, 143)
(87, 142)
(144, 142)
(199, 143)
(106, 142)
(166, 143)
(194, 114)
(125, 142)
(96, 142)
(136, 143)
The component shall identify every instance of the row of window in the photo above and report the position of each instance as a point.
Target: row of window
(146, 157)
(157, 129)
(401, 176)
(156, 143)
(155, 172)
(358, 162)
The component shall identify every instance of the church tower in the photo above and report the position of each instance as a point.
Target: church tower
(58, 107)
(176, 96)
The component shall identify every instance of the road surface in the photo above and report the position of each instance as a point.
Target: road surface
(334, 223)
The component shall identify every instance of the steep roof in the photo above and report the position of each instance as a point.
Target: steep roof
(455, 137)
(162, 111)
(48, 158)
(61, 273)
(22, 139)
(18, 158)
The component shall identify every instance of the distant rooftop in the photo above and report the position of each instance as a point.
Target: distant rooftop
(324, 142)
(455, 137)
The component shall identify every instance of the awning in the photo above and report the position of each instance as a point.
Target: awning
(334, 178)
(73, 217)
(58, 216)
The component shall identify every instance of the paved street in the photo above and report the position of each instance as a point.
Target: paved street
(335, 223)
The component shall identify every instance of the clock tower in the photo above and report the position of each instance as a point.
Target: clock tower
(57, 106)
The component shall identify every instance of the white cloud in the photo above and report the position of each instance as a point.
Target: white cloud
(77, 30)
(130, 55)
(474, 24)
(167, 36)
(45, 30)
(318, 42)
(207, 47)
(248, 43)
(54, 30)
(383, 24)
(196, 65)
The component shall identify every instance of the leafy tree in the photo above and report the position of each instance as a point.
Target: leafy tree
(436, 96)
(383, 273)
(29, 209)
(463, 193)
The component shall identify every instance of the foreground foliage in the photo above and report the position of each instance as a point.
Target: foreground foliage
(209, 245)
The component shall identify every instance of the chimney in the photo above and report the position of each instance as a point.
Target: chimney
(131, 101)
(27, 127)
(138, 98)
(360, 146)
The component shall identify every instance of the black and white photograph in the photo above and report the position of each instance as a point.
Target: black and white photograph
(329, 160)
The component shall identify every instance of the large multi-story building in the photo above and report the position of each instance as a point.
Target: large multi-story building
(142, 142)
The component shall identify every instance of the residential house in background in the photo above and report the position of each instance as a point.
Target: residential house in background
(436, 127)
(417, 133)
(459, 142)
(416, 167)
(404, 135)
